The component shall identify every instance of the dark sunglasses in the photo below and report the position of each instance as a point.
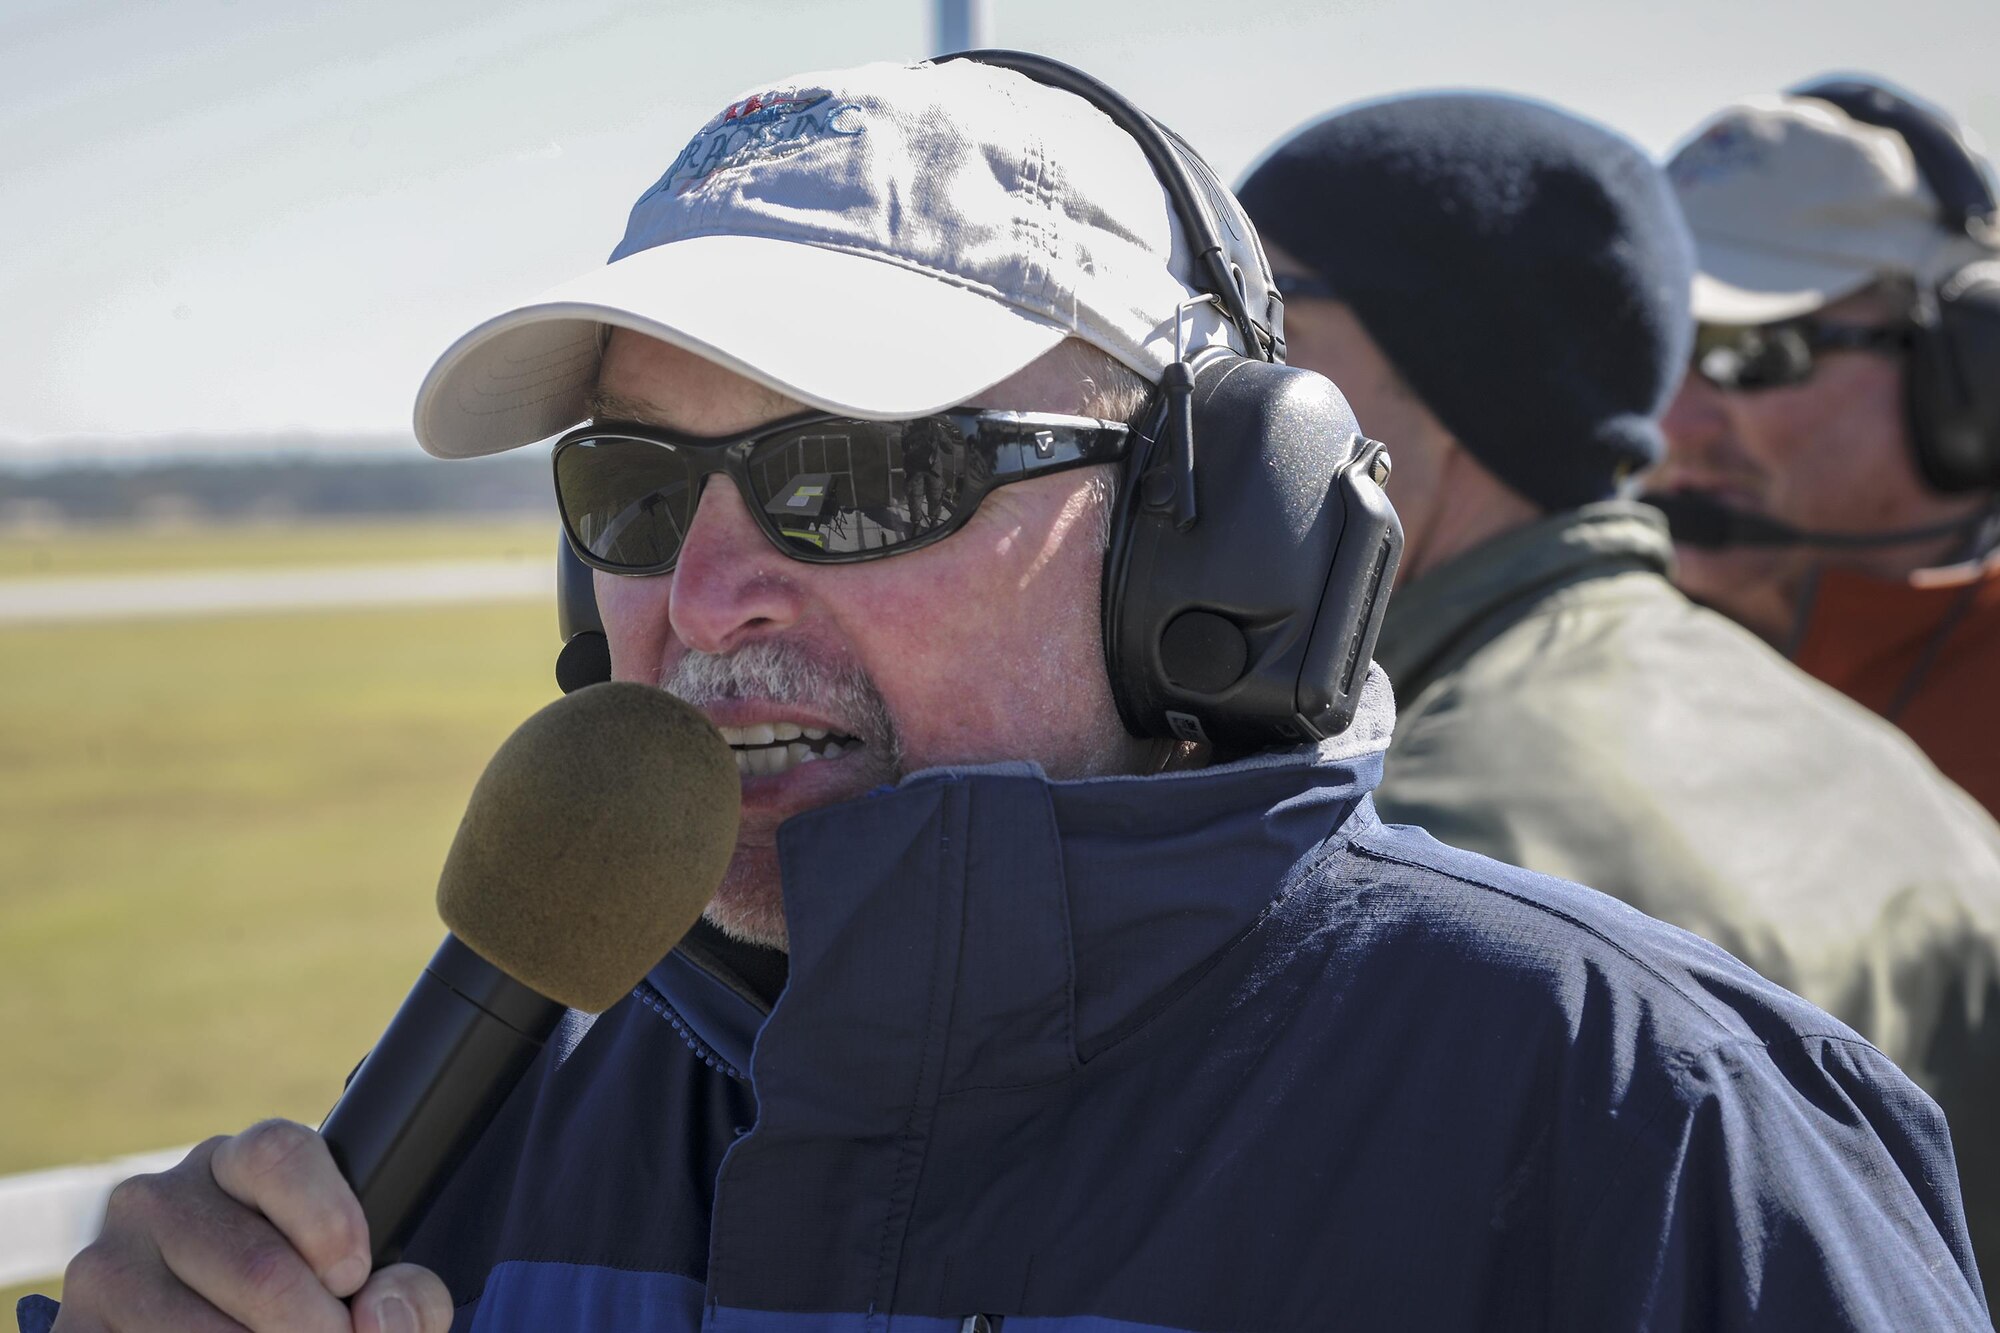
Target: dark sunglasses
(1745, 358)
(824, 489)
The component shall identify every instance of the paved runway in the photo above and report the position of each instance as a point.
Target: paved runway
(243, 592)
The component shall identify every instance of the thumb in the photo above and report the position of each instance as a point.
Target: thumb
(402, 1298)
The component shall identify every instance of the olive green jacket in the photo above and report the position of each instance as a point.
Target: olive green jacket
(1562, 707)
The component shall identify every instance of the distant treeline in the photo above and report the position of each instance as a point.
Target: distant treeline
(274, 487)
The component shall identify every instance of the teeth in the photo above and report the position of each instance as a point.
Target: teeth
(766, 760)
(767, 748)
(765, 733)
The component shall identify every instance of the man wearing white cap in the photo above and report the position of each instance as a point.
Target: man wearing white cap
(1064, 980)
(1834, 455)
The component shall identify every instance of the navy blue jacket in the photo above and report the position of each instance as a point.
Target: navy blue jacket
(1210, 1051)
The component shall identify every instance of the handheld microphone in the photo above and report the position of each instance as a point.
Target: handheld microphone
(1706, 523)
(594, 839)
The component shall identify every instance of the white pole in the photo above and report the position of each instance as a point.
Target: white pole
(958, 25)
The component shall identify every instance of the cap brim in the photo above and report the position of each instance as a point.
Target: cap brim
(1742, 284)
(839, 331)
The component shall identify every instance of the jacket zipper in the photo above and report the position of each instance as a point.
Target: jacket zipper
(707, 1054)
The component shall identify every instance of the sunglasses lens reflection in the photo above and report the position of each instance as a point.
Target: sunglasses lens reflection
(1753, 358)
(851, 488)
(626, 503)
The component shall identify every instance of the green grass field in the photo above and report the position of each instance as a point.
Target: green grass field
(218, 843)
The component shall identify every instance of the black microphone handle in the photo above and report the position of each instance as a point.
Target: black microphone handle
(431, 1086)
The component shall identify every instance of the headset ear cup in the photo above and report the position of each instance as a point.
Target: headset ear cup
(1953, 383)
(1953, 372)
(1255, 625)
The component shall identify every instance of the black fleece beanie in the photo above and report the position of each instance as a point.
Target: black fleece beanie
(1525, 271)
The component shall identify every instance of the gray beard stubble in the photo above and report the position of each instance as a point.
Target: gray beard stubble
(783, 673)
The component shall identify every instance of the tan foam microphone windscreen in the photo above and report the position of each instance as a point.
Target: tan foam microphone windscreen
(592, 842)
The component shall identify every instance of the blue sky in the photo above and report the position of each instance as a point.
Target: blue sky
(244, 216)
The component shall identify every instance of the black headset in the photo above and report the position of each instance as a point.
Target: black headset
(1252, 548)
(1953, 376)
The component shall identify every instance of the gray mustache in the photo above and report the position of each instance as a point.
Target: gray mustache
(787, 673)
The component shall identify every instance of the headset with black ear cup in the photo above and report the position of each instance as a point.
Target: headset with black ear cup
(1253, 545)
(1256, 625)
(1953, 377)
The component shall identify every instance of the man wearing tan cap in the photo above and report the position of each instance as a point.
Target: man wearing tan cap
(1834, 452)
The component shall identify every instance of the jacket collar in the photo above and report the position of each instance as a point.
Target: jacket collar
(1434, 619)
(1852, 621)
(1038, 921)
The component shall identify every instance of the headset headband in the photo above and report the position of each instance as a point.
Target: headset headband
(1186, 179)
(1964, 190)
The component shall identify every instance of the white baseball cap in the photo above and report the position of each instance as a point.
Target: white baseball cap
(882, 242)
(1794, 205)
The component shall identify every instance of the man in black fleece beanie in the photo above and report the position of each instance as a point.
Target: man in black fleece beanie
(1525, 272)
(1501, 290)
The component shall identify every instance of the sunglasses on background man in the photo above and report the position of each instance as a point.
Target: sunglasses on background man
(1749, 357)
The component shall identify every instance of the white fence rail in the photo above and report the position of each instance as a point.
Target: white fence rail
(47, 1216)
